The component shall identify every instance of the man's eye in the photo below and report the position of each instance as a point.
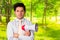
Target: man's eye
(22, 11)
(17, 10)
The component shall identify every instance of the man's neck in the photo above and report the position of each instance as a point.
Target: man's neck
(19, 18)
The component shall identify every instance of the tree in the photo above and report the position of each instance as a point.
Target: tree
(0, 10)
(8, 10)
(44, 14)
(31, 12)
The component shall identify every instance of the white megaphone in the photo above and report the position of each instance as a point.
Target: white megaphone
(33, 27)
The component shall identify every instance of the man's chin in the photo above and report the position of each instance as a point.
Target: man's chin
(20, 18)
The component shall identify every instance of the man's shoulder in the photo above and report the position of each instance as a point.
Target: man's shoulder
(11, 22)
(28, 22)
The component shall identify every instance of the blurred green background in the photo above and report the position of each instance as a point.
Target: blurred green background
(44, 12)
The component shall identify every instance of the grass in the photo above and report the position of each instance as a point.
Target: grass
(2, 31)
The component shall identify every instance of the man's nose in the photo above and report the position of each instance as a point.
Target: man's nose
(20, 13)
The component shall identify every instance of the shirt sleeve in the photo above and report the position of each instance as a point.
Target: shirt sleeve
(9, 31)
(32, 32)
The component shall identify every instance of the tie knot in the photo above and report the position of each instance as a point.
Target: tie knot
(20, 21)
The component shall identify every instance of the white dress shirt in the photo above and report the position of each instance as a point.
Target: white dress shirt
(13, 27)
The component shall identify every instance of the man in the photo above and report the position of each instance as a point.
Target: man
(14, 31)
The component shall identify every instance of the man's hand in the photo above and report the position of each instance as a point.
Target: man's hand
(27, 33)
(15, 35)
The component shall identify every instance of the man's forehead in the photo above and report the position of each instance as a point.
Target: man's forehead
(19, 8)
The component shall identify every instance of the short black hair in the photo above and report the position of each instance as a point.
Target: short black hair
(19, 5)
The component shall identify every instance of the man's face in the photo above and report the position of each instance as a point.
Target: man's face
(19, 12)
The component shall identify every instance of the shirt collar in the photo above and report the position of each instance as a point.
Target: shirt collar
(20, 19)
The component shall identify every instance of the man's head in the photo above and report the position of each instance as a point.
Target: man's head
(19, 9)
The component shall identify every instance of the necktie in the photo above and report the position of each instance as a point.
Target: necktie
(20, 31)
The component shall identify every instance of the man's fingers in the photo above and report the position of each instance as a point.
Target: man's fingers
(27, 33)
(15, 35)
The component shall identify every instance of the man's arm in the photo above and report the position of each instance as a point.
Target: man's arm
(9, 31)
(31, 32)
(16, 35)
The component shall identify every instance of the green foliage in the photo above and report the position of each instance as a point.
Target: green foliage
(48, 31)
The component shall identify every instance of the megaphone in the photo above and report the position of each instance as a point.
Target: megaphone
(33, 27)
